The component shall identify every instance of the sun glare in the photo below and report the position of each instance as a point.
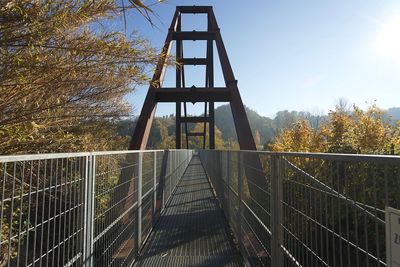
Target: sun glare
(388, 42)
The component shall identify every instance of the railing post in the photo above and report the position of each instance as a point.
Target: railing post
(228, 191)
(154, 187)
(175, 169)
(220, 172)
(170, 174)
(139, 204)
(276, 211)
(88, 221)
(240, 191)
(163, 185)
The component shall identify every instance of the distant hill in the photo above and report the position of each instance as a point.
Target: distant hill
(224, 122)
(265, 126)
(393, 113)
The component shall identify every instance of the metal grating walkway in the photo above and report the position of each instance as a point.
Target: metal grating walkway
(192, 230)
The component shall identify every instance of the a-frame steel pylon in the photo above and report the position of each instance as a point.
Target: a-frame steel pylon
(182, 94)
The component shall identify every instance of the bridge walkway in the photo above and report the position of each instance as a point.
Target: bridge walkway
(192, 231)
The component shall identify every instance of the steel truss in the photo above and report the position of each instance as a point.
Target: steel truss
(181, 94)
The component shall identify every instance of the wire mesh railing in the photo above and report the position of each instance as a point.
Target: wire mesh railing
(286, 209)
(83, 208)
(302, 209)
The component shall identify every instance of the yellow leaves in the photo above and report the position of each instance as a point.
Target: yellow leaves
(139, 3)
(10, 226)
(35, 125)
(65, 80)
(357, 131)
(9, 5)
(301, 138)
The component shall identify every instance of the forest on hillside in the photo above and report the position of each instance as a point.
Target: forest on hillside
(264, 129)
(292, 130)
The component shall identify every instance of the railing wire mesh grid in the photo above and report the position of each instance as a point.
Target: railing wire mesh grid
(302, 209)
(285, 209)
(83, 208)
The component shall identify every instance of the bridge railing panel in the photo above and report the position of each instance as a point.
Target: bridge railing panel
(312, 210)
(42, 209)
(245, 203)
(79, 209)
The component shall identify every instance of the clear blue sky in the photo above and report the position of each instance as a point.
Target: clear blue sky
(296, 55)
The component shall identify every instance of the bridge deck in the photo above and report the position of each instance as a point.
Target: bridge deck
(192, 230)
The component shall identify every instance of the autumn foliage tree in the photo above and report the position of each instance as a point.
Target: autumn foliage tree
(63, 80)
(64, 75)
(197, 142)
(355, 131)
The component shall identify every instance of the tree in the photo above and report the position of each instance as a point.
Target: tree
(357, 131)
(63, 79)
(197, 142)
(342, 105)
(371, 134)
(301, 137)
(285, 119)
(63, 76)
(362, 181)
(165, 140)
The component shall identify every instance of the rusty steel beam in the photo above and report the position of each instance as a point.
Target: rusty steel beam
(193, 61)
(178, 82)
(194, 119)
(194, 9)
(246, 141)
(210, 83)
(192, 95)
(242, 125)
(143, 126)
(195, 134)
(194, 35)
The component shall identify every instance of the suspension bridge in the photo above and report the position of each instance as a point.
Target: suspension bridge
(197, 207)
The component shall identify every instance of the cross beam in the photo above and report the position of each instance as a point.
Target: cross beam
(184, 95)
